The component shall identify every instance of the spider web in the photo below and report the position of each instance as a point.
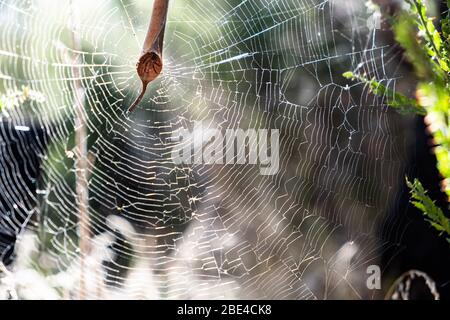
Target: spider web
(160, 230)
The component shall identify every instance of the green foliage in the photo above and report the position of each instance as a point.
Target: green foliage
(428, 51)
(424, 203)
(396, 100)
(423, 44)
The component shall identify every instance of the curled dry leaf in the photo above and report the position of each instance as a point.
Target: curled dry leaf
(150, 63)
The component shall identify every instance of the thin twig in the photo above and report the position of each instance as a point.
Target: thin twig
(150, 63)
(81, 166)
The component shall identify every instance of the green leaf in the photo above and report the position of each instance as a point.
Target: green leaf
(348, 75)
(394, 99)
(434, 214)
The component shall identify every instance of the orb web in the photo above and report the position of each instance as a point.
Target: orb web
(156, 229)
